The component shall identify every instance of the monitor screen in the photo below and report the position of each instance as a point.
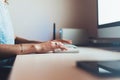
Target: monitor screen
(108, 12)
(108, 18)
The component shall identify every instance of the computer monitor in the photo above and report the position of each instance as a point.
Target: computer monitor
(108, 18)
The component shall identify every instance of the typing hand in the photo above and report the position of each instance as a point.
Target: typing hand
(52, 45)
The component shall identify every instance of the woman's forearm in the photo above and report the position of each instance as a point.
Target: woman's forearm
(16, 49)
(44, 47)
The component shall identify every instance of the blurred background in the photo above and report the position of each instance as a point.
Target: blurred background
(33, 19)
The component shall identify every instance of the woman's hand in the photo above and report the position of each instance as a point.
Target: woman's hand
(51, 45)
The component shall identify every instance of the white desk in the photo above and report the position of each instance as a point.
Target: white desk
(59, 66)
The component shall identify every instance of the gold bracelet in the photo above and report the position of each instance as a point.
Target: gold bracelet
(21, 48)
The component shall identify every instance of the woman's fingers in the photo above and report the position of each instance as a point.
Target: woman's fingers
(58, 45)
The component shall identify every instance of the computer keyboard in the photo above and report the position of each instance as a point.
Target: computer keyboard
(70, 46)
(70, 49)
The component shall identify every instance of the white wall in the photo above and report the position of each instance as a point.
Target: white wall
(90, 16)
(33, 19)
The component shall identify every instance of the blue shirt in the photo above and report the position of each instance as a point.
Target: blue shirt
(6, 29)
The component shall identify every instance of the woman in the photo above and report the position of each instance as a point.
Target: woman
(11, 45)
(7, 39)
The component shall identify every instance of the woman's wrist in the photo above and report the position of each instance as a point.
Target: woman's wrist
(21, 49)
(28, 48)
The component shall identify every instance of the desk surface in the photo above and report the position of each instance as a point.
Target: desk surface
(59, 66)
